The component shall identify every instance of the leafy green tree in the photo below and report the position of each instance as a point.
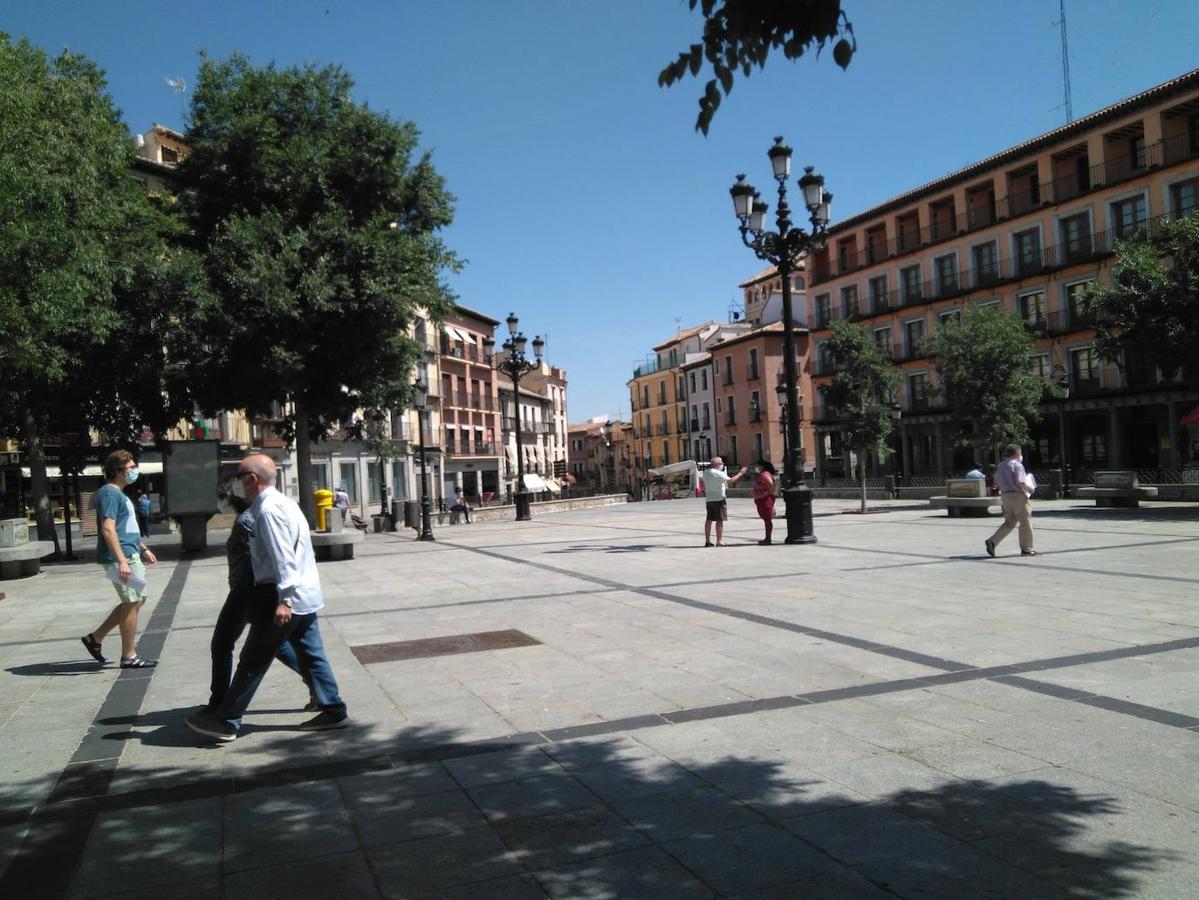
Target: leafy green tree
(319, 234)
(90, 281)
(985, 366)
(739, 34)
(1150, 311)
(861, 392)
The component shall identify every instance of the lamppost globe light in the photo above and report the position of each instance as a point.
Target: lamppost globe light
(822, 211)
(780, 159)
(513, 322)
(812, 186)
(757, 218)
(781, 390)
(519, 343)
(420, 394)
(538, 346)
(743, 197)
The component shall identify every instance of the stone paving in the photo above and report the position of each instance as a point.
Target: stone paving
(885, 713)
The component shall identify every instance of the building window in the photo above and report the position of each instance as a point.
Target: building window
(1028, 249)
(986, 263)
(399, 481)
(1183, 197)
(758, 454)
(728, 370)
(730, 411)
(1127, 215)
(1094, 449)
(918, 391)
(914, 332)
(693, 382)
(1085, 364)
(703, 379)
(952, 315)
(1078, 314)
(373, 494)
(878, 294)
(882, 340)
(910, 277)
(732, 460)
(755, 407)
(1076, 235)
(661, 392)
(1032, 307)
(753, 362)
(645, 395)
(798, 282)
(1136, 151)
(822, 310)
(947, 273)
(1040, 365)
(849, 300)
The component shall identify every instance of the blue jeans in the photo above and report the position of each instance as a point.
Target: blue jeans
(265, 641)
(230, 623)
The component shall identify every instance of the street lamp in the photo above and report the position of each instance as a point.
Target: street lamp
(1063, 394)
(420, 402)
(784, 248)
(514, 364)
(781, 390)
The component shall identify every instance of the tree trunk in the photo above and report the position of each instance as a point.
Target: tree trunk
(39, 483)
(862, 474)
(304, 480)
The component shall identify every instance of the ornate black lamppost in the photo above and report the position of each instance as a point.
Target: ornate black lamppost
(783, 249)
(1063, 394)
(420, 402)
(781, 390)
(514, 364)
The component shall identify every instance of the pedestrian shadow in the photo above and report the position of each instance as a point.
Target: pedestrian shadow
(63, 667)
(606, 816)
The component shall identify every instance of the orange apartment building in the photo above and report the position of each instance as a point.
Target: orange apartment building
(747, 369)
(470, 410)
(1025, 230)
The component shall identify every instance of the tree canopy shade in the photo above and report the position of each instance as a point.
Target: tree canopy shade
(1149, 314)
(91, 279)
(985, 367)
(319, 234)
(739, 34)
(860, 392)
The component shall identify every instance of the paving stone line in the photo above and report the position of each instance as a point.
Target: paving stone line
(49, 856)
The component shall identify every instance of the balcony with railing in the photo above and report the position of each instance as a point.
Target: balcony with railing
(987, 210)
(464, 400)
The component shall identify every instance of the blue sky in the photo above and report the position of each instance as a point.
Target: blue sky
(587, 203)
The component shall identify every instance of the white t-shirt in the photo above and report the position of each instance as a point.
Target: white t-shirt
(716, 483)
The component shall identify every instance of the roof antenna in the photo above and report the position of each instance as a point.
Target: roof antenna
(1061, 23)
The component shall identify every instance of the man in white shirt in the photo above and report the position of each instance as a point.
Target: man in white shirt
(283, 608)
(716, 482)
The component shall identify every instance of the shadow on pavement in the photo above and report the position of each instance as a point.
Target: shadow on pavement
(64, 667)
(419, 814)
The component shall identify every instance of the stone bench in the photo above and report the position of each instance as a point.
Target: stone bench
(965, 498)
(332, 546)
(24, 559)
(1116, 489)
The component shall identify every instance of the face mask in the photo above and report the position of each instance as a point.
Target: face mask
(238, 489)
(131, 475)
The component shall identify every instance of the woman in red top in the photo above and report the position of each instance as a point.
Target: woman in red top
(764, 496)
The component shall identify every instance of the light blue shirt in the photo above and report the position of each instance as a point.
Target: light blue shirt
(716, 482)
(281, 551)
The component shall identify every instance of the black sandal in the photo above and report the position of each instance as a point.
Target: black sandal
(93, 647)
(136, 662)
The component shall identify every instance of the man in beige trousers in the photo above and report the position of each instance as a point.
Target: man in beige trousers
(1014, 491)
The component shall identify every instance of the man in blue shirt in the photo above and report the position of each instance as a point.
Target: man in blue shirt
(121, 551)
(283, 606)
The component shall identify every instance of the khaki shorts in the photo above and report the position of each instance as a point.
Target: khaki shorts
(124, 591)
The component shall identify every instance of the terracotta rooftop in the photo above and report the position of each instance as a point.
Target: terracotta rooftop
(684, 334)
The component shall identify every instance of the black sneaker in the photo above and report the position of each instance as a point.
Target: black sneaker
(210, 727)
(326, 721)
(312, 705)
(990, 545)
